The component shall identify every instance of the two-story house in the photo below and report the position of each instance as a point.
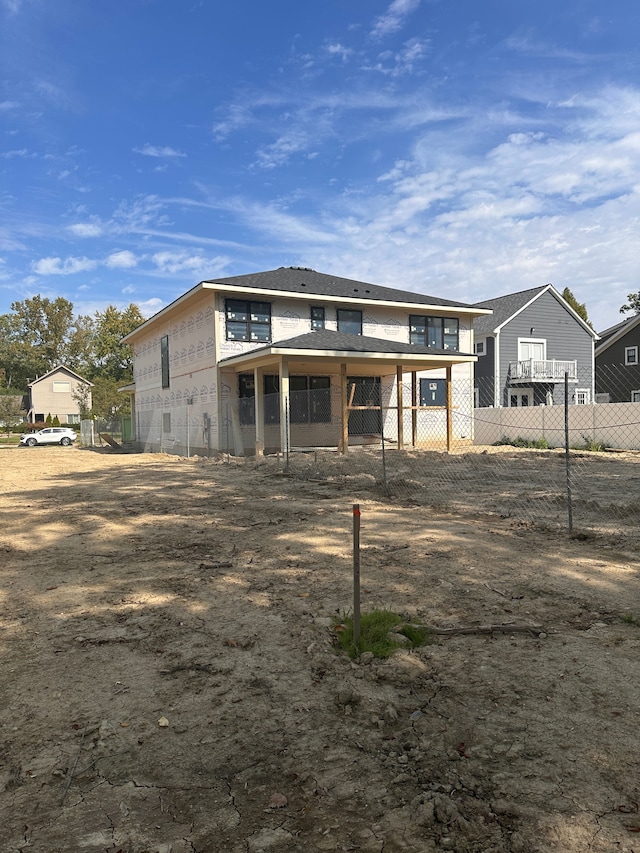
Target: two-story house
(293, 358)
(618, 363)
(526, 346)
(57, 393)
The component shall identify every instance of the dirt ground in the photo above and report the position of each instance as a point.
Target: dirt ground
(170, 682)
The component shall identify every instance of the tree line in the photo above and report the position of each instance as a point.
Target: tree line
(40, 333)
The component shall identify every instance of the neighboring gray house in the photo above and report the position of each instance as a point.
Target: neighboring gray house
(525, 348)
(56, 394)
(618, 363)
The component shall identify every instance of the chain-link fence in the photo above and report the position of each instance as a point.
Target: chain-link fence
(554, 454)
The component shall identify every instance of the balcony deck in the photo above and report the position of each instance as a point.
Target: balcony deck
(533, 370)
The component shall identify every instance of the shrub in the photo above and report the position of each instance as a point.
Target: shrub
(376, 634)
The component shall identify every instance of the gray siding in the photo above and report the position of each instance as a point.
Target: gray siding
(566, 340)
(484, 373)
(613, 376)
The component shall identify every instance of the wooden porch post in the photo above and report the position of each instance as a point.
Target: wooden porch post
(399, 395)
(343, 445)
(258, 402)
(414, 403)
(284, 405)
(449, 411)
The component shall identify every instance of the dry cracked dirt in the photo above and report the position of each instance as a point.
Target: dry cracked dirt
(170, 681)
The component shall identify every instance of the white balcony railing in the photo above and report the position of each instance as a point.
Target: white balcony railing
(533, 370)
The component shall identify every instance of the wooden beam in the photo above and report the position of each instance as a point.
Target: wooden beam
(414, 404)
(343, 445)
(400, 393)
(449, 411)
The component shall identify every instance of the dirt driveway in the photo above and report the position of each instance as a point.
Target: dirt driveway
(169, 681)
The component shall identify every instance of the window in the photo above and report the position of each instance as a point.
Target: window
(73, 419)
(479, 348)
(433, 392)
(635, 396)
(435, 332)
(317, 319)
(60, 387)
(532, 349)
(310, 399)
(248, 321)
(247, 393)
(349, 321)
(631, 355)
(582, 397)
(164, 362)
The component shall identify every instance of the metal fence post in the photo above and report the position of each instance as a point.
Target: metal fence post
(384, 455)
(566, 451)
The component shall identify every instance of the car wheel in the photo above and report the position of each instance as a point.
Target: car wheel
(65, 442)
(31, 442)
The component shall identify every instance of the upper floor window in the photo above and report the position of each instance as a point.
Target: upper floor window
(61, 387)
(435, 332)
(479, 348)
(631, 355)
(317, 319)
(349, 321)
(164, 360)
(248, 321)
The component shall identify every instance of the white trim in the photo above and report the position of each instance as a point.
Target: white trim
(542, 341)
(635, 396)
(549, 288)
(625, 327)
(519, 393)
(586, 392)
(634, 362)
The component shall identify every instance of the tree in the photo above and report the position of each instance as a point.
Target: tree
(113, 359)
(46, 326)
(10, 410)
(633, 304)
(579, 307)
(107, 400)
(18, 360)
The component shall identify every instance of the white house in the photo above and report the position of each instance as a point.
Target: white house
(293, 358)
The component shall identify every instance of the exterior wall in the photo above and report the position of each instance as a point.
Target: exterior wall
(198, 413)
(484, 373)
(613, 376)
(566, 340)
(45, 401)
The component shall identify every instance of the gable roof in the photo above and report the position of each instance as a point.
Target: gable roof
(615, 333)
(505, 308)
(63, 368)
(304, 283)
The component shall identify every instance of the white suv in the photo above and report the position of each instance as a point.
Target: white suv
(50, 435)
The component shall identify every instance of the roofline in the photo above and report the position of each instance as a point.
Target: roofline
(612, 339)
(218, 287)
(547, 289)
(59, 367)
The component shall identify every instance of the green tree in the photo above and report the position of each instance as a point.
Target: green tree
(19, 362)
(46, 326)
(579, 307)
(633, 304)
(10, 411)
(107, 400)
(113, 359)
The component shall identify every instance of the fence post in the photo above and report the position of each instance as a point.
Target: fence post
(384, 455)
(566, 450)
(356, 575)
(286, 432)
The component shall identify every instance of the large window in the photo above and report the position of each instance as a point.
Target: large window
(247, 393)
(248, 321)
(310, 399)
(349, 321)
(60, 387)
(434, 332)
(164, 360)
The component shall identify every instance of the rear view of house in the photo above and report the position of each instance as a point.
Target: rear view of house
(527, 345)
(296, 358)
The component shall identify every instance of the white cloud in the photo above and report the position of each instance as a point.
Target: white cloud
(22, 152)
(394, 18)
(179, 262)
(121, 260)
(159, 151)
(57, 266)
(85, 229)
(5, 106)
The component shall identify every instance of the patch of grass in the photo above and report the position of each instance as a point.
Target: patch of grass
(537, 443)
(375, 628)
(630, 619)
(592, 445)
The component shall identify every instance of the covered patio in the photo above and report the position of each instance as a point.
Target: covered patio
(354, 367)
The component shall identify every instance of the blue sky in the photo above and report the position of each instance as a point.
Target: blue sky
(458, 148)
